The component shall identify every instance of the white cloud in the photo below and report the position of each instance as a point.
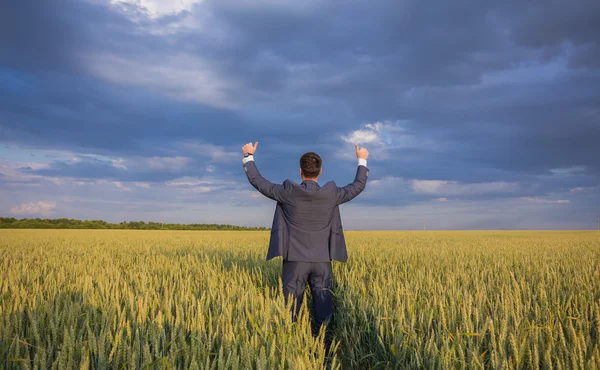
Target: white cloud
(168, 163)
(82, 183)
(382, 137)
(545, 201)
(117, 184)
(43, 208)
(157, 8)
(187, 181)
(361, 137)
(196, 185)
(241, 194)
(55, 180)
(441, 187)
(202, 189)
(486, 214)
(120, 186)
(13, 168)
(144, 185)
(118, 163)
(139, 163)
(584, 189)
(428, 186)
(377, 132)
(13, 173)
(569, 171)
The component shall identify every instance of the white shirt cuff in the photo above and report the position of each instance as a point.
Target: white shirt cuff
(362, 162)
(247, 159)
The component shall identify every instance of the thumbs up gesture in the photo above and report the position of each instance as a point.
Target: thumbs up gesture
(249, 148)
(361, 153)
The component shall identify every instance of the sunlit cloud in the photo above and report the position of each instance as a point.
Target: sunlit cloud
(545, 201)
(42, 208)
(118, 163)
(144, 185)
(584, 189)
(569, 171)
(435, 187)
(154, 9)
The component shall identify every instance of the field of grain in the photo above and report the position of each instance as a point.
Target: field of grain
(176, 299)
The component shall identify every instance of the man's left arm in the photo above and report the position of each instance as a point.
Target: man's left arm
(264, 186)
(350, 191)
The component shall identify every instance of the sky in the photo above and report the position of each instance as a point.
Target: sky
(477, 114)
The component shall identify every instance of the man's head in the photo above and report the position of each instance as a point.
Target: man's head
(310, 166)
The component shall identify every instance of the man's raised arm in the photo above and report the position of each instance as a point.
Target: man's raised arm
(267, 188)
(350, 191)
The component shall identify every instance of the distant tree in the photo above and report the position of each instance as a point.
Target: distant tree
(65, 223)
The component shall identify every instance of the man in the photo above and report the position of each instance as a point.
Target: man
(307, 230)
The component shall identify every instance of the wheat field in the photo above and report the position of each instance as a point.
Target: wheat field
(97, 299)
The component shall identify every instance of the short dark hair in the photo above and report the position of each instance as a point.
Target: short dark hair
(310, 163)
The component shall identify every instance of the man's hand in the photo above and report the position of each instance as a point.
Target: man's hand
(361, 153)
(250, 149)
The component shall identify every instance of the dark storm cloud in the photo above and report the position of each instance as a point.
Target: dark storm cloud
(499, 91)
(421, 44)
(35, 35)
(88, 114)
(548, 25)
(43, 36)
(384, 51)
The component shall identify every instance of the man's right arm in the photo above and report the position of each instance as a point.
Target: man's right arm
(350, 191)
(265, 187)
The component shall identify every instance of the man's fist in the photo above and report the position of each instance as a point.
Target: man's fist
(250, 149)
(361, 153)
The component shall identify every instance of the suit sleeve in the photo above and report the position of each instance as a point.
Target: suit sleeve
(350, 191)
(265, 187)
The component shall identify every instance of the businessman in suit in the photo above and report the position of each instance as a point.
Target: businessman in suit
(307, 230)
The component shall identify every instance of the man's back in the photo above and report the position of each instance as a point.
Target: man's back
(307, 224)
(310, 206)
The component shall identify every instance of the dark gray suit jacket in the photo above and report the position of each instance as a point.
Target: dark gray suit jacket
(307, 225)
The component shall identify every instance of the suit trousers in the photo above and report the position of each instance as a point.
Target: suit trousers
(319, 275)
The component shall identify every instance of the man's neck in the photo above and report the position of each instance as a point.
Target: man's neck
(316, 179)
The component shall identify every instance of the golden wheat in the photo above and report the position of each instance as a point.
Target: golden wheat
(207, 300)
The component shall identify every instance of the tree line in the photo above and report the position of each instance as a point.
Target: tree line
(65, 223)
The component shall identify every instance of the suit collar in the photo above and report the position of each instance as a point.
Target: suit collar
(310, 184)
